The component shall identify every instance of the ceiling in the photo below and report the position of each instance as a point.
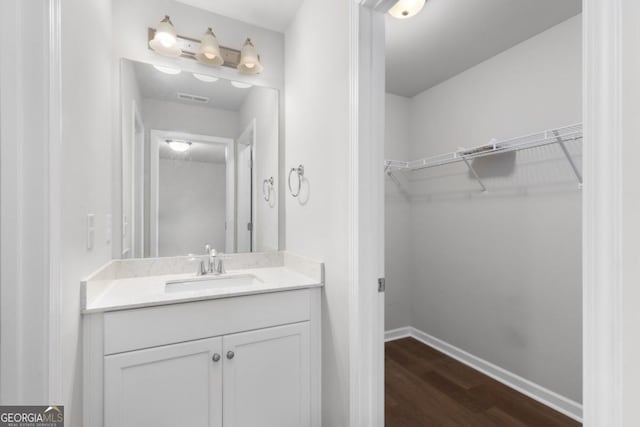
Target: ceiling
(158, 85)
(450, 36)
(270, 14)
(198, 152)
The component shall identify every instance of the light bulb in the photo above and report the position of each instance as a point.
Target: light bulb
(165, 40)
(249, 59)
(209, 52)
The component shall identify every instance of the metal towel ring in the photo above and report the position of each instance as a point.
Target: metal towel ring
(266, 194)
(300, 173)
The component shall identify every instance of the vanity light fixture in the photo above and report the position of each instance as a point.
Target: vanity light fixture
(167, 70)
(165, 39)
(205, 78)
(249, 59)
(404, 9)
(240, 85)
(206, 50)
(210, 49)
(178, 145)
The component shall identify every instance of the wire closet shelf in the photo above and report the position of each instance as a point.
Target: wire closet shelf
(560, 136)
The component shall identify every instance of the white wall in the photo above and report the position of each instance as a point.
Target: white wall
(191, 206)
(262, 105)
(499, 274)
(86, 169)
(397, 230)
(317, 136)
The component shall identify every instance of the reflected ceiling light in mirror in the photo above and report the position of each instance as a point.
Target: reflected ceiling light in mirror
(205, 78)
(165, 40)
(178, 145)
(404, 9)
(209, 50)
(167, 70)
(249, 59)
(240, 85)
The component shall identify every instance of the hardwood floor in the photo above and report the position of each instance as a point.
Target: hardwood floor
(424, 387)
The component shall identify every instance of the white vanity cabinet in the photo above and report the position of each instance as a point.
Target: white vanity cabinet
(172, 385)
(243, 361)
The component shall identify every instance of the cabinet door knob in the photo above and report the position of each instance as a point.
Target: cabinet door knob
(230, 354)
(216, 357)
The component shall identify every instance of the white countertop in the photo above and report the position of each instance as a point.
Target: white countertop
(135, 292)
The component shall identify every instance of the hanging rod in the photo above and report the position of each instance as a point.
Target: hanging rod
(558, 136)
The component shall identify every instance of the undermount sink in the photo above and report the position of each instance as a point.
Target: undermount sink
(223, 281)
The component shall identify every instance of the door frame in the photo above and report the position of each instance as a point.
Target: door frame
(251, 128)
(155, 136)
(605, 245)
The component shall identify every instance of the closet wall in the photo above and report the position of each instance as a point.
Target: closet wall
(496, 274)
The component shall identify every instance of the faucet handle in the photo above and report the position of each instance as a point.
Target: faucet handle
(207, 249)
(201, 269)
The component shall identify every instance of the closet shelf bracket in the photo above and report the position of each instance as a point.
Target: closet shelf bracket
(562, 145)
(474, 173)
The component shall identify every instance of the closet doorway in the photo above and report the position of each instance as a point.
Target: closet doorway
(483, 214)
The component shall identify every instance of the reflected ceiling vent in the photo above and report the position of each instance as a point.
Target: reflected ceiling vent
(193, 98)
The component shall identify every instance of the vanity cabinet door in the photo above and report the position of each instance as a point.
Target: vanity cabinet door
(267, 377)
(173, 385)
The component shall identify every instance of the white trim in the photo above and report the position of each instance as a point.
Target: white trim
(154, 167)
(366, 215)
(137, 203)
(54, 202)
(357, 359)
(396, 334)
(251, 128)
(602, 213)
(535, 391)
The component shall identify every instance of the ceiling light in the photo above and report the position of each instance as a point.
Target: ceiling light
(167, 70)
(178, 145)
(209, 49)
(240, 85)
(205, 78)
(249, 59)
(404, 9)
(165, 41)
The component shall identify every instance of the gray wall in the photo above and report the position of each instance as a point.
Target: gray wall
(191, 206)
(397, 229)
(499, 274)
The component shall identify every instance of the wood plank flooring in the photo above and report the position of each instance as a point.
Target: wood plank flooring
(424, 387)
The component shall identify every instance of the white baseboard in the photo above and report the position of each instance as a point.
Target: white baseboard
(396, 334)
(545, 396)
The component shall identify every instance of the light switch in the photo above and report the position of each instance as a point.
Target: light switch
(91, 230)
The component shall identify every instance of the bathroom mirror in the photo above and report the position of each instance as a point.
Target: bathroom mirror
(199, 163)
